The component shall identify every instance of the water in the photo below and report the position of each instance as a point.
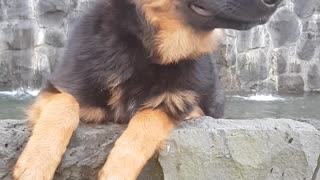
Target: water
(20, 93)
(14, 103)
(238, 106)
(265, 98)
(298, 107)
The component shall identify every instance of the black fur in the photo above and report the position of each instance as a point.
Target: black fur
(109, 49)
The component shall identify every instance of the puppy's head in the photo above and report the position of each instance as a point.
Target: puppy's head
(228, 14)
(185, 28)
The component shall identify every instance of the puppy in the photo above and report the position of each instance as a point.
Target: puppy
(142, 62)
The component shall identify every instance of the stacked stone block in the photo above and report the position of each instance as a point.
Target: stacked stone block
(283, 55)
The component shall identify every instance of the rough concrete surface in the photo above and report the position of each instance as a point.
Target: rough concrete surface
(266, 149)
(202, 149)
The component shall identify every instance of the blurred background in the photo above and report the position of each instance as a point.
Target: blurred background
(269, 71)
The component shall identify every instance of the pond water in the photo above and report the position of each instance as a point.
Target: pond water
(14, 104)
(238, 106)
(248, 106)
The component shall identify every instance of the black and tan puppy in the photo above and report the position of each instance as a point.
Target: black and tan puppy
(142, 62)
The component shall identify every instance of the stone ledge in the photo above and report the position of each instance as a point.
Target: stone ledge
(199, 149)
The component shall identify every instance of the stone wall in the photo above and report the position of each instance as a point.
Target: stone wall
(33, 35)
(205, 148)
(283, 55)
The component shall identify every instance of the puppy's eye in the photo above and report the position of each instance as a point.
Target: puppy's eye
(200, 10)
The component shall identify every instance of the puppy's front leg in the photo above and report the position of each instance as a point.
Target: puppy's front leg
(57, 116)
(144, 135)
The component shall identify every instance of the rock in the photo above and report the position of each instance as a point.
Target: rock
(307, 47)
(305, 8)
(280, 56)
(284, 27)
(3, 41)
(13, 135)
(241, 149)
(85, 155)
(295, 68)
(88, 151)
(294, 83)
(205, 148)
(20, 38)
(318, 23)
(45, 6)
(255, 38)
(83, 5)
(5, 76)
(229, 79)
(225, 57)
(314, 77)
(2, 12)
(16, 68)
(19, 9)
(311, 24)
(252, 68)
(313, 122)
(52, 19)
(56, 38)
(48, 56)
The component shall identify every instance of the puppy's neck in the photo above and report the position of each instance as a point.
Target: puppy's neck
(165, 34)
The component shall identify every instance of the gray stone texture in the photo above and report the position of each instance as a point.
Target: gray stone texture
(245, 149)
(252, 67)
(291, 83)
(205, 148)
(288, 45)
(33, 34)
(280, 56)
(314, 76)
(305, 8)
(86, 153)
(284, 28)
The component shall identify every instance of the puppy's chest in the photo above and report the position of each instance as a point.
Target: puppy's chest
(163, 88)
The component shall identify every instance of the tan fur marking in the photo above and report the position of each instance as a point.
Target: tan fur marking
(145, 133)
(197, 112)
(58, 118)
(175, 40)
(92, 115)
(115, 102)
(173, 100)
(116, 95)
(33, 113)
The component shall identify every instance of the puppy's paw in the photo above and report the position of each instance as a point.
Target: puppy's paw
(30, 171)
(103, 175)
(34, 165)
